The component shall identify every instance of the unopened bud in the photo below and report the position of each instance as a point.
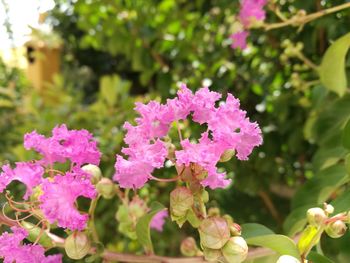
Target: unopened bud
(181, 200)
(137, 208)
(336, 229)
(77, 245)
(214, 232)
(235, 250)
(189, 247)
(171, 150)
(227, 155)
(316, 216)
(329, 209)
(287, 259)
(235, 229)
(213, 211)
(106, 188)
(94, 171)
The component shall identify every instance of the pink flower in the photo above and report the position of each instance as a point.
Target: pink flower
(252, 10)
(204, 105)
(76, 145)
(206, 153)
(59, 198)
(228, 129)
(12, 250)
(232, 130)
(158, 220)
(239, 39)
(133, 173)
(28, 173)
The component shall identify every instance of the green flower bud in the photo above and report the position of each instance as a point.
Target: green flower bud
(181, 200)
(235, 229)
(94, 171)
(77, 245)
(213, 211)
(235, 250)
(211, 254)
(316, 216)
(227, 155)
(137, 208)
(336, 229)
(106, 188)
(329, 209)
(287, 259)
(214, 232)
(189, 247)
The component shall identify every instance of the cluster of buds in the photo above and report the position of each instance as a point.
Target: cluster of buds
(334, 226)
(221, 241)
(290, 50)
(128, 214)
(104, 186)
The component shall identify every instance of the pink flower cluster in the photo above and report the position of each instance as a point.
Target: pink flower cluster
(12, 249)
(59, 191)
(228, 128)
(251, 11)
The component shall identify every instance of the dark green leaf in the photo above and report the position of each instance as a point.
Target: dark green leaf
(253, 230)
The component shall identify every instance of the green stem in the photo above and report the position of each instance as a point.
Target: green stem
(92, 219)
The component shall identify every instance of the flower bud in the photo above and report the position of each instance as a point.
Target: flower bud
(336, 229)
(181, 200)
(287, 259)
(214, 211)
(106, 188)
(235, 229)
(77, 245)
(316, 216)
(214, 232)
(94, 171)
(227, 155)
(235, 250)
(189, 247)
(329, 209)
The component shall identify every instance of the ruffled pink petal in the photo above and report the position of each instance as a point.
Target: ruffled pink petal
(158, 220)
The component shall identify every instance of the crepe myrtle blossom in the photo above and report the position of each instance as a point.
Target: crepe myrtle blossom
(78, 146)
(12, 249)
(158, 220)
(251, 11)
(228, 129)
(59, 197)
(239, 39)
(28, 173)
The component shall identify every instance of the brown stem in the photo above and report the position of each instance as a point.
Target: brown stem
(270, 206)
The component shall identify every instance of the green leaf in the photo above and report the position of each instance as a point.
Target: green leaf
(253, 230)
(332, 69)
(295, 221)
(342, 202)
(317, 258)
(33, 233)
(143, 227)
(306, 238)
(346, 135)
(279, 243)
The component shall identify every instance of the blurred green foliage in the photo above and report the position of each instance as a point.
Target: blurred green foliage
(116, 52)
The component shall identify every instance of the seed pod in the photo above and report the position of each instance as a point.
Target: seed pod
(214, 232)
(77, 245)
(316, 216)
(211, 255)
(235, 250)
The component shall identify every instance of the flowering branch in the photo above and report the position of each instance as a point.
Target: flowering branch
(300, 19)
